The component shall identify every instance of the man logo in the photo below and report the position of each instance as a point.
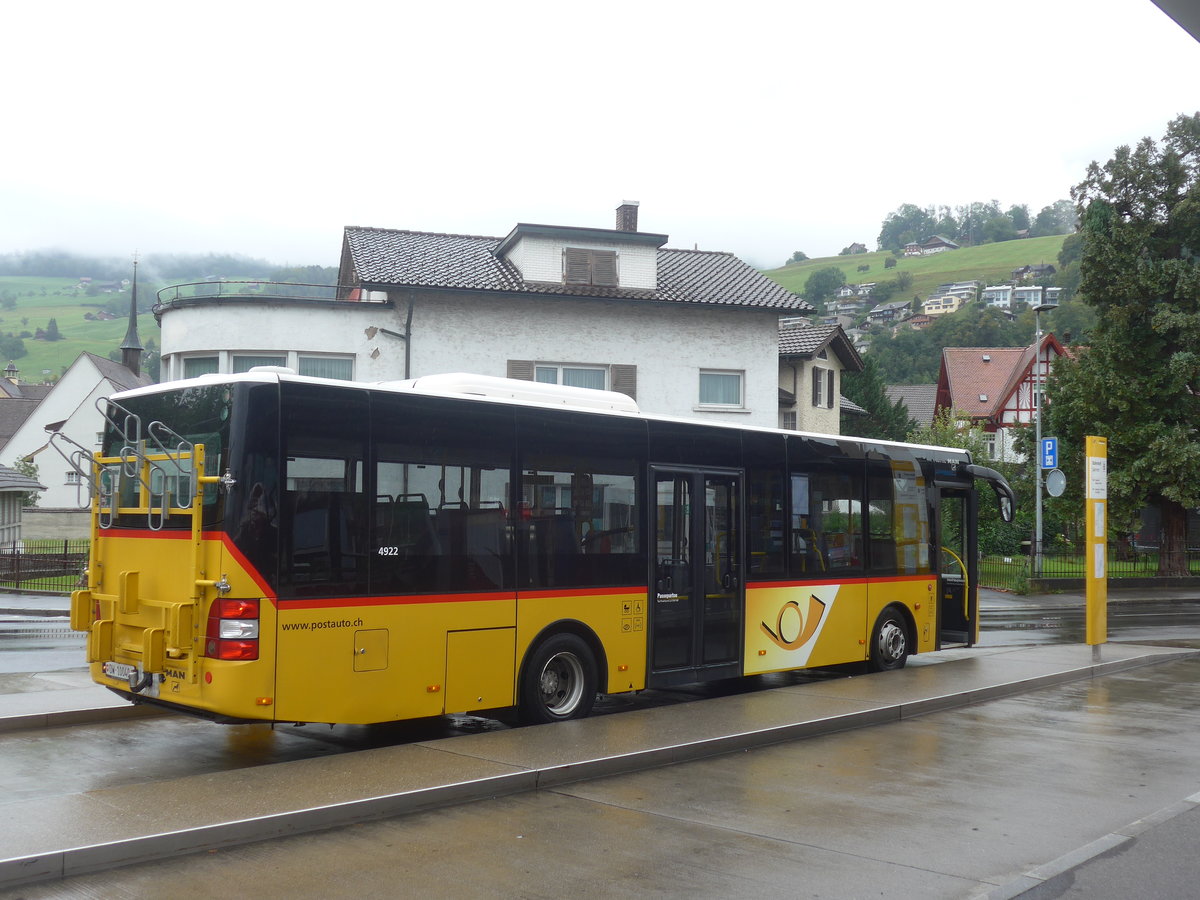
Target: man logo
(793, 628)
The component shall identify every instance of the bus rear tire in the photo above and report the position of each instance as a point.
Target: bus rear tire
(558, 682)
(890, 641)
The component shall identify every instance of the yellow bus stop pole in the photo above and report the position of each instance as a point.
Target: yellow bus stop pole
(1096, 562)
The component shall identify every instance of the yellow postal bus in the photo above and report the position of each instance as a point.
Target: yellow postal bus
(270, 547)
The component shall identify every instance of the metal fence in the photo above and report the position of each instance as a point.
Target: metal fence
(43, 566)
(1069, 560)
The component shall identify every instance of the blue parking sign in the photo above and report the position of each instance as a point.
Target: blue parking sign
(1049, 453)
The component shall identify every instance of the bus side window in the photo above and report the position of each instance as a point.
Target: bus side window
(766, 519)
(826, 522)
(324, 502)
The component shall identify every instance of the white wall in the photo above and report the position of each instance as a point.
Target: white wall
(72, 401)
(668, 342)
(540, 259)
(349, 328)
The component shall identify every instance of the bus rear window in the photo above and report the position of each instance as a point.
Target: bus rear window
(161, 431)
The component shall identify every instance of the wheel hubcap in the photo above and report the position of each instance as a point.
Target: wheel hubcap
(561, 683)
(891, 641)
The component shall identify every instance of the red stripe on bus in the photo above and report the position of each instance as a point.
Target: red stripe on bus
(828, 581)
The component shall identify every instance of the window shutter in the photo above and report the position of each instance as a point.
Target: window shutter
(816, 387)
(604, 267)
(521, 369)
(624, 380)
(577, 267)
(829, 390)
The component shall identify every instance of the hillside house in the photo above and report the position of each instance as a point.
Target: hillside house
(1031, 273)
(886, 313)
(943, 305)
(968, 290)
(684, 332)
(812, 360)
(995, 388)
(856, 248)
(1032, 295)
(931, 245)
(998, 295)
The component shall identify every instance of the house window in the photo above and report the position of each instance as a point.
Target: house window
(72, 477)
(622, 377)
(823, 381)
(593, 377)
(582, 266)
(246, 363)
(989, 444)
(340, 367)
(720, 388)
(199, 365)
(787, 421)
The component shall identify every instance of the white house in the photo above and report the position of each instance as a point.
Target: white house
(685, 332)
(69, 408)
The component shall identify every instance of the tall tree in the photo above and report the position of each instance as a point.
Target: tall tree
(1138, 383)
(823, 284)
(885, 420)
(907, 223)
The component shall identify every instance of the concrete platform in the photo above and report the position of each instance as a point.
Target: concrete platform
(86, 832)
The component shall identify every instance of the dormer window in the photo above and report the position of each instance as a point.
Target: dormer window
(597, 267)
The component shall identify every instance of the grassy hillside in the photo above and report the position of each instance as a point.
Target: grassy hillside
(37, 301)
(989, 263)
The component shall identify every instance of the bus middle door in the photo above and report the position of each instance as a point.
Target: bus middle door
(697, 595)
(958, 620)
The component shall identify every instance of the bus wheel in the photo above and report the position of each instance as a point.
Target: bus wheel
(559, 681)
(889, 641)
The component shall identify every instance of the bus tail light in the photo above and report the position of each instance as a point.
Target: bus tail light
(232, 629)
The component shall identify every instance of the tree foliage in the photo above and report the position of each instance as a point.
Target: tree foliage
(1138, 383)
(973, 223)
(823, 284)
(884, 420)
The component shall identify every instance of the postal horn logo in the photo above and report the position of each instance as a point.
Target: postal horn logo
(795, 627)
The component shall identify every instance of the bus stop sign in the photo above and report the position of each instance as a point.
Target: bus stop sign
(1050, 453)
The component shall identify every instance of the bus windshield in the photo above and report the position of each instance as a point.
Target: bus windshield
(169, 423)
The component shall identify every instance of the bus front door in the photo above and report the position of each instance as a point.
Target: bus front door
(696, 588)
(958, 621)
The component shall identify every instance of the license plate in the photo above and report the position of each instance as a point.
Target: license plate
(120, 671)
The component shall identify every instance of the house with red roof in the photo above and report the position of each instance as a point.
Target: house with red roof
(996, 388)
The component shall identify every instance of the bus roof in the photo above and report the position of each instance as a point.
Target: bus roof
(488, 388)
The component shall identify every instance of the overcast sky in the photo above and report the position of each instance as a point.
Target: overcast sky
(262, 128)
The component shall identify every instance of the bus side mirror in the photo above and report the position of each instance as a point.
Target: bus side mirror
(1004, 493)
(1006, 507)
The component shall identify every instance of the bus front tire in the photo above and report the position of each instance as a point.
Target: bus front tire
(559, 681)
(889, 641)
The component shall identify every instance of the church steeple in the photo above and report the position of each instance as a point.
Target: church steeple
(131, 347)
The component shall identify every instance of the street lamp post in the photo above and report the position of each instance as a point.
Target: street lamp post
(1044, 305)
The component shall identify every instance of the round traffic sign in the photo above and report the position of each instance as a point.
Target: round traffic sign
(1056, 482)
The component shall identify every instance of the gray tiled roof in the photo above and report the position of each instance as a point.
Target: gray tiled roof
(118, 374)
(920, 399)
(807, 340)
(385, 257)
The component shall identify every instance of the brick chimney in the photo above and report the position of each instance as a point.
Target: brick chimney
(627, 215)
